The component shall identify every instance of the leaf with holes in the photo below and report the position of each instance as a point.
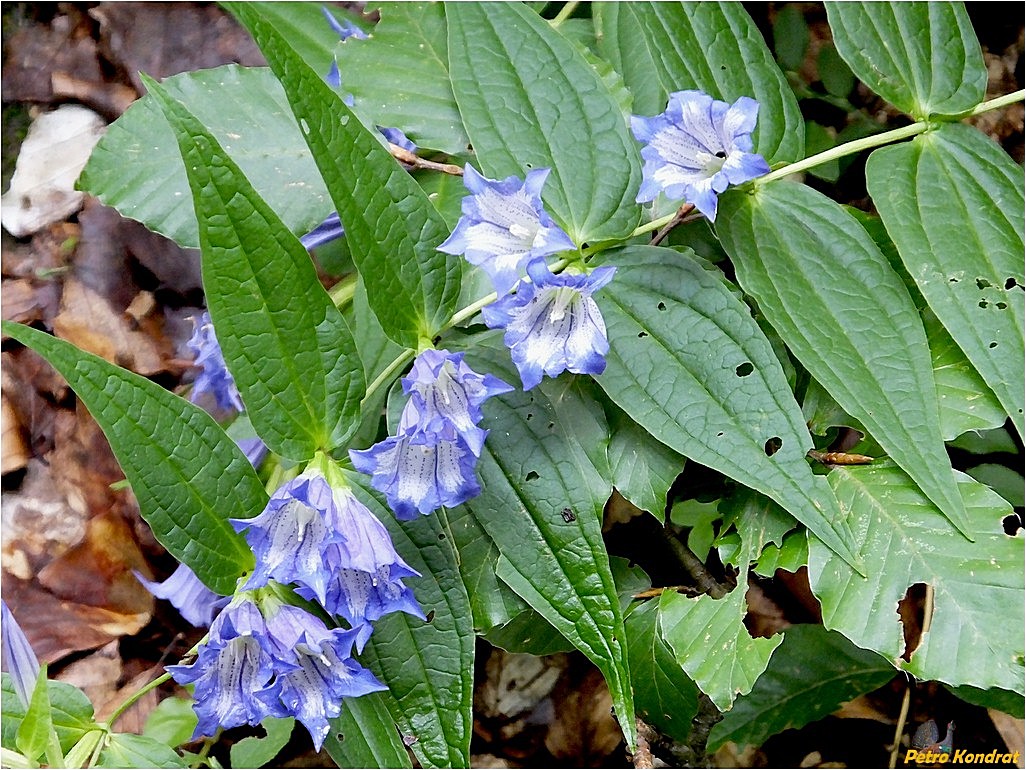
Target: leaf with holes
(187, 475)
(427, 666)
(365, 735)
(953, 203)
(532, 468)
(529, 99)
(975, 635)
(391, 226)
(286, 344)
(664, 47)
(689, 363)
(921, 57)
(811, 674)
(137, 169)
(411, 37)
(846, 315)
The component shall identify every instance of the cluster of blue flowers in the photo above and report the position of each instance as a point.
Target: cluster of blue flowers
(265, 654)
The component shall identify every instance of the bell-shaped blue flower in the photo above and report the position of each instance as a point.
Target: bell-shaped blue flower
(329, 230)
(18, 658)
(444, 389)
(315, 668)
(187, 593)
(504, 226)
(696, 148)
(233, 672)
(552, 323)
(291, 536)
(345, 28)
(420, 471)
(214, 377)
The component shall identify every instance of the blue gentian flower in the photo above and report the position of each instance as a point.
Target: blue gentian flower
(504, 226)
(696, 148)
(315, 668)
(214, 377)
(329, 230)
(18, 658)
(233, 671)
(345, 28)
(444, 389)
(187, 593)
(398, 138)
(420, 471)
(552, 323)
(290, 537)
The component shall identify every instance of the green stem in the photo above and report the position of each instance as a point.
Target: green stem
(386, 377)
(131, 699)
(877, 140)
(342, 292)
(564, 13)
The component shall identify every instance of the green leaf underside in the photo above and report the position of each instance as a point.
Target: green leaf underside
(660, 48)
(845, 314)
(365, 735)
(71, 712)
(137, 168)
(642, 469)
(530, 470)
(953, 203)
(976, 633)
(172, 722)
(1010, 702)
(379, 72)
(528, 632)
(680, 374)
(427, 666)
(187, 475)
(125, 750)
(664, 695)
(34, 731)
(287, 346)
(708, 636)
(811, 674)
(921, 57)
(392, 228)
(529, 99)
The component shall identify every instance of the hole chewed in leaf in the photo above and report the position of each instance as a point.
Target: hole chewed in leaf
(1011, 283)
(773, 445)
(911, 611)
(984, 303)
(1011, 524)
(642, 334)
(992, 345)
(661, 306)
(531, 476)
(743, 370)
(983, 283)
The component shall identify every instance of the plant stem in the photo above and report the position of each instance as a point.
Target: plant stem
(342, 292)
(131, 699)
(564, 13)
(389, 374)
(877, 140)
(900, 727)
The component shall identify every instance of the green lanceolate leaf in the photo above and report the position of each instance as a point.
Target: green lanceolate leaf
(811, 674)
(708, 636)
(33, 733)
(308, 31)
(642, 469)
(287, 346)
(921, 57)
(71, 713)
(975, 635)
(529, 99)
(688, 362)
(187, 475)
(124, 750)
(427, 666)
(660, 48)
(843, 311)
(666, 698)
(953, 203)
(365, 735)
(541, 504)
(137, 169)
(410, 38)
(392, 228)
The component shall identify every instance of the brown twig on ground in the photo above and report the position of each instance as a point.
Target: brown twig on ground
(643, 755)
(414, 160)
(839, 458)
(694, 567)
